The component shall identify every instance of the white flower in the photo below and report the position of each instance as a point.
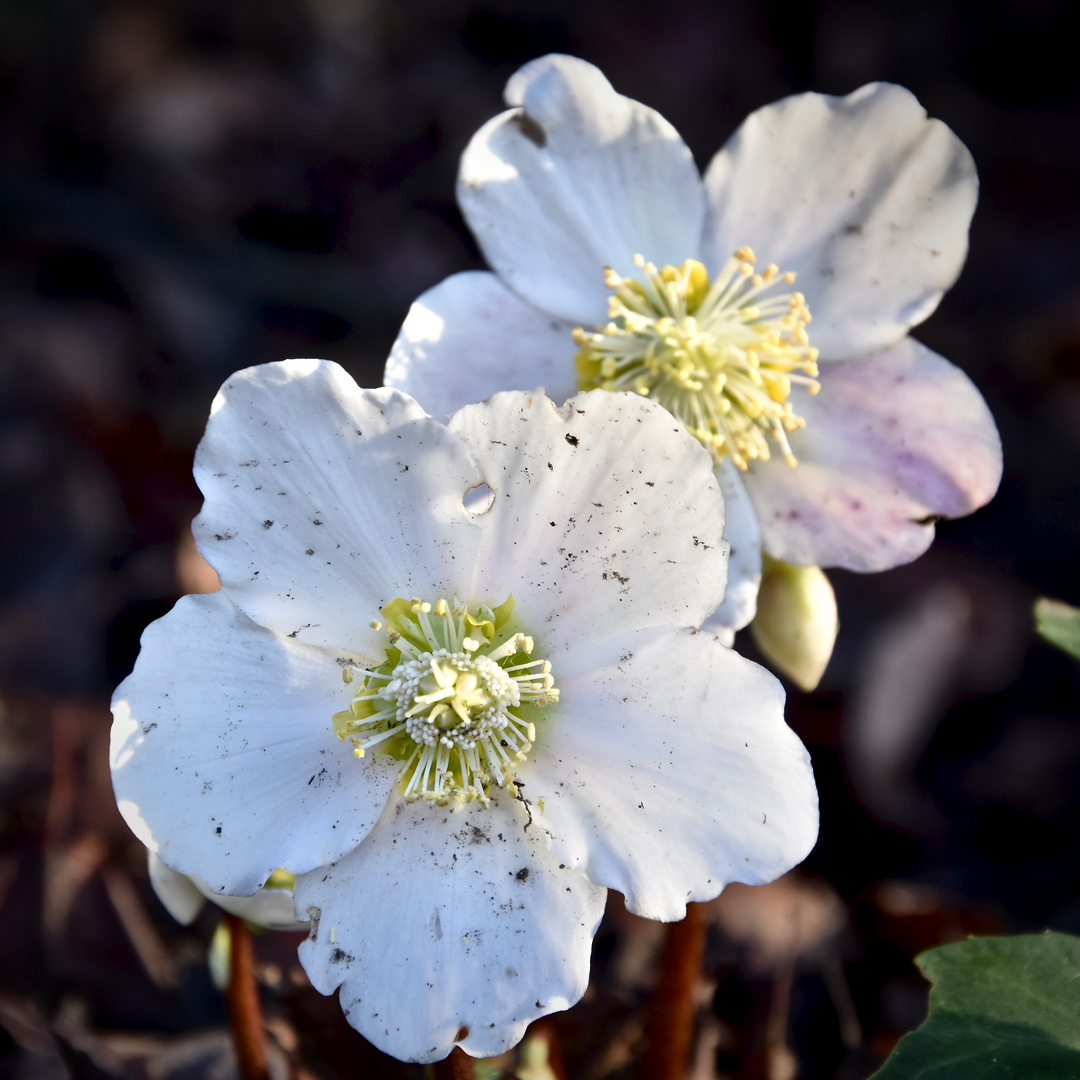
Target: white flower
(863, 198)
(248, 736)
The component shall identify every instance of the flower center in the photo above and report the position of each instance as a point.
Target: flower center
(450, 700)
(721, 355)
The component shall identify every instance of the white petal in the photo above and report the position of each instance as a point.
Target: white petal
(743, 533)
(325, 501)
(223, 754)
(667, 771)
(891, 440)
(576, 177)
(272, 908)
(606, 515)
(177, 892)
(470, 337)
(448, 918)
(864, 197)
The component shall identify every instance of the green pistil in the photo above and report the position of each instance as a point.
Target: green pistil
(447, 701)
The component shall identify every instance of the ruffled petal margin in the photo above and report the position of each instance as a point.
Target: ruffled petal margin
(449, 926)
(893, 442)
(864, 197)
(224, 759)
(668, 771)
(576, 177)
(470, 337)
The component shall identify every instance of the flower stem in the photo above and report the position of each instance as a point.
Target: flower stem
(669, 1025)
(245, 1011)
(457, 1066)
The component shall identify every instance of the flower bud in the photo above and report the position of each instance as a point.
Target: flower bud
(796, 622)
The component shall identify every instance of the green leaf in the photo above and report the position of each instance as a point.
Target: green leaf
(1059, 623)
(1000, 1008)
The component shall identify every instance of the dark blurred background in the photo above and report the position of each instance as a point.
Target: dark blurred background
(191, 186)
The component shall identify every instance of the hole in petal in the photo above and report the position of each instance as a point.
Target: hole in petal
(530, 129)
(478, 499)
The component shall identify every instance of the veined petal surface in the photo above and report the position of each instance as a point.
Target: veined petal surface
(449, 918)
(470, 337)
(668, 771)
(606, 514)
(743, 532)
(576, 177)
(864, 197)
(892, 440)
(325, 501)
(224, 759)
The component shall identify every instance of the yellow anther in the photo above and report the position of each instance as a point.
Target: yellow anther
(444, 702)
(719, 354)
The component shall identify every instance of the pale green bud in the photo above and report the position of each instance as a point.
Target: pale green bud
(796, 622)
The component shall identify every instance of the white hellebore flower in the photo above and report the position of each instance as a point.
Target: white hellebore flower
(618, 266)
(457, 725)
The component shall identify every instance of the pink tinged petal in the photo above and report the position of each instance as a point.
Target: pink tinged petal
(448, 918)
(606, 515)
(223, 756)
(576, 177)
(864, 197)
(893, 441)
(743, 533)
(325, 501)
(470, 337)
(667, 771)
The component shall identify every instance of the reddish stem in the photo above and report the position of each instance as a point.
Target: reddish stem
(457, 1066)
(545, 1029)
(245, 1009)
(669, 1024)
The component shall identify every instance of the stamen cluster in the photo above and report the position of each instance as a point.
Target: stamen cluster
(448, 699)
(721, 355)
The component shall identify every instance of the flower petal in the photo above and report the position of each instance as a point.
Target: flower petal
(606, 513)
(576, 177)
(743, 533)
(470, 337)
(177, 892)
(448, 918)
(224, 759)
(864, 197)
(271, 908)
(667, 771)
(891, 441)
(325, 501)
